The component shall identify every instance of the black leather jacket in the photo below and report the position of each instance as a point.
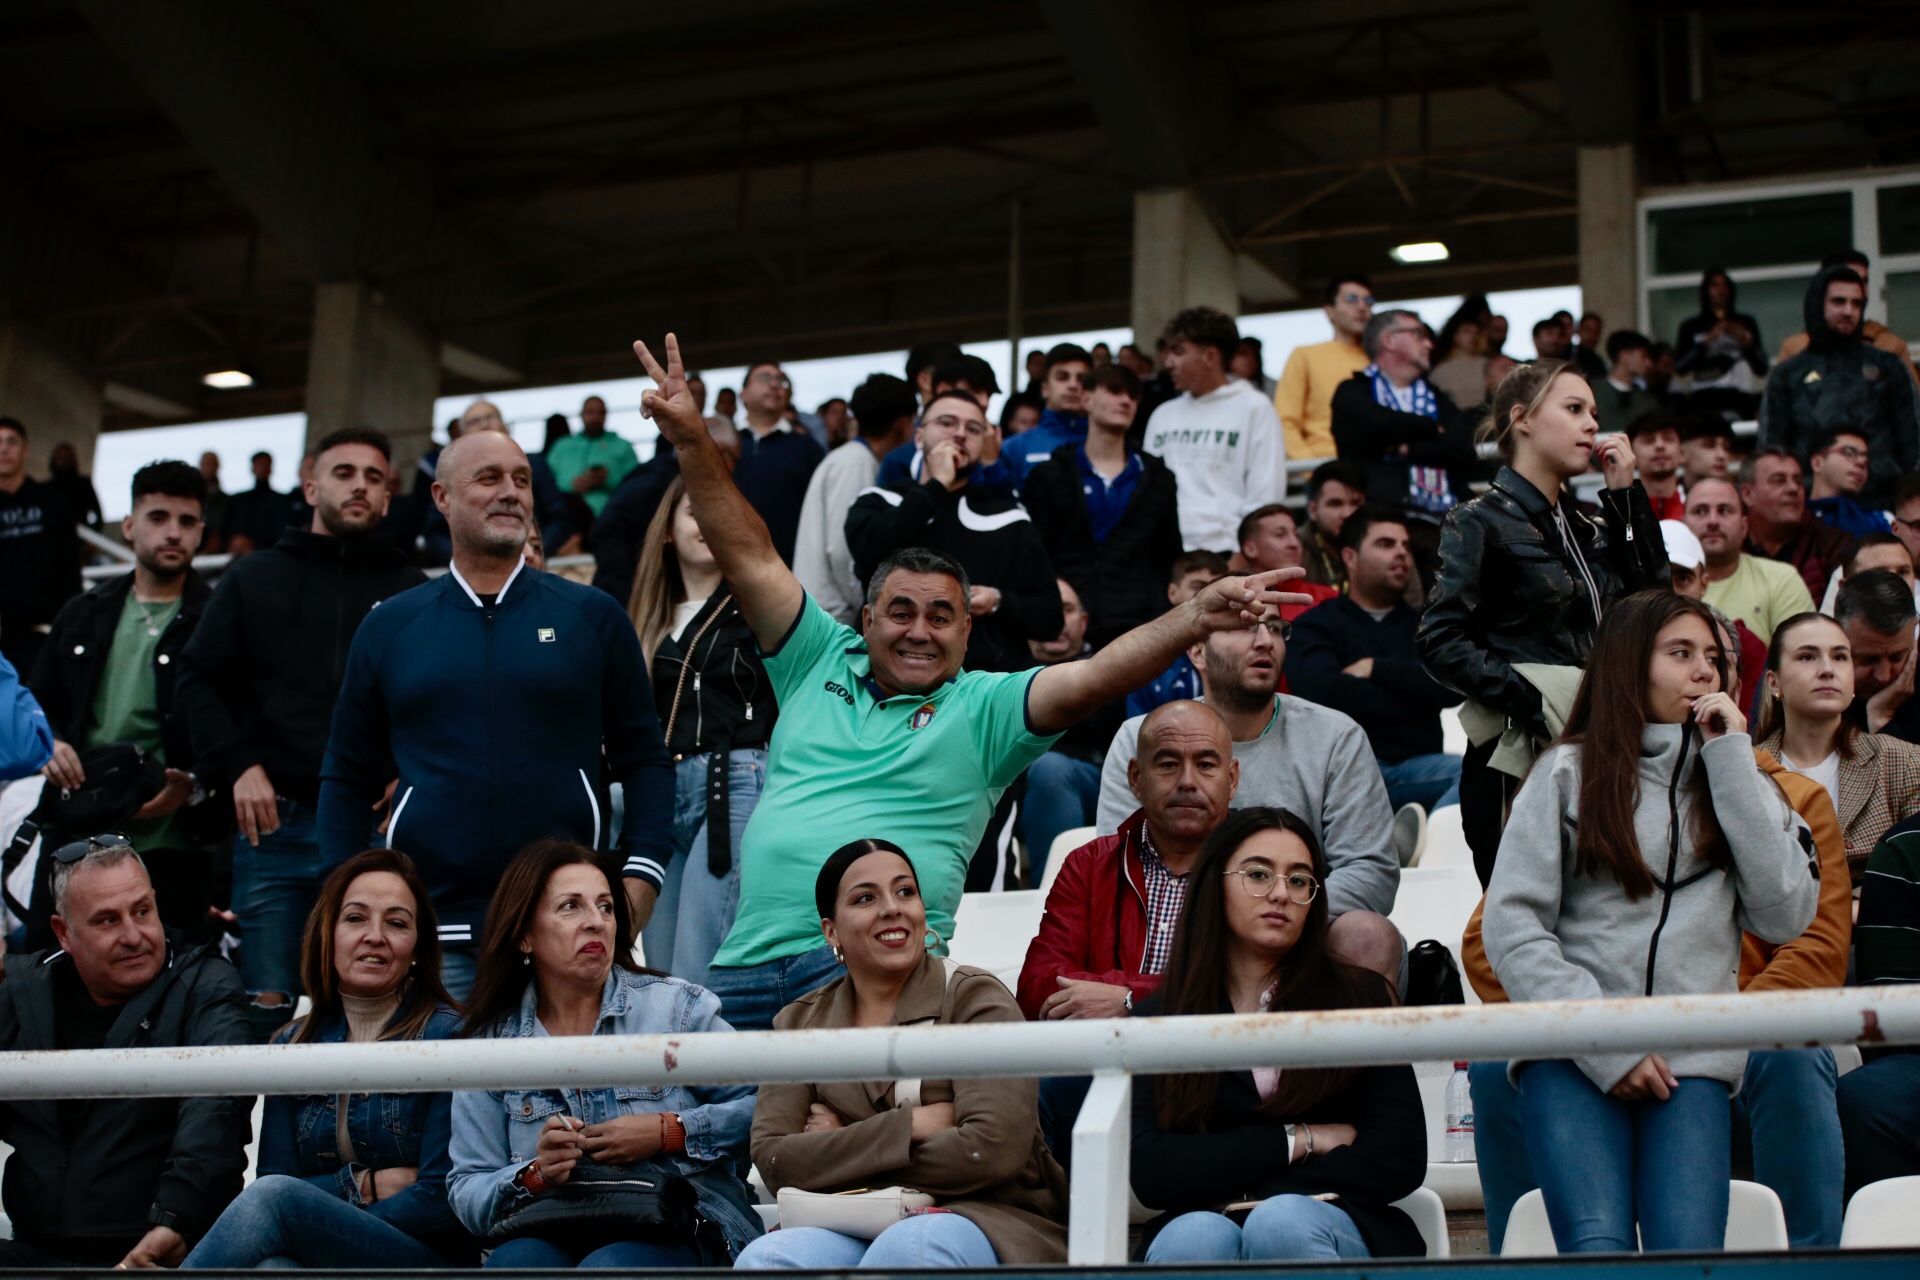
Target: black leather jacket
(1507, 591)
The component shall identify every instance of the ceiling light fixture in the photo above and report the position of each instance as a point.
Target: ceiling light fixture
(227, 379)
(1420, 251)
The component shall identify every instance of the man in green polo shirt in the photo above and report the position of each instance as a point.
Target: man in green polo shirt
(593, 463)
(881, 733)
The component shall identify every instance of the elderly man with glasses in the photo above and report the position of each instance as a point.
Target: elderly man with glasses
(1013, 597)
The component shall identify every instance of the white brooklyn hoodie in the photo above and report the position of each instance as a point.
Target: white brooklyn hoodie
(1225, 450)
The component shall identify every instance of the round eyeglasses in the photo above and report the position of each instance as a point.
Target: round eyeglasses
(1259, 882)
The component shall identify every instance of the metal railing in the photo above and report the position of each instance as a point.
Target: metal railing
(1111, 1051)
(212, 565)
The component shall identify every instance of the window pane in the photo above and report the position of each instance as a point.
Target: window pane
(1750, 233)
(1903, 303)
(1899, 220)
(1773, 304)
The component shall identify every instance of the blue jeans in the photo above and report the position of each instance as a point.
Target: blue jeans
(925, 1241)
(1061, 1098)
(1282, 1229)
(285, 1222)
(1662, 1165)
(1433, 782)
(1062, 792)
(1880, 1114)
(1786, 1100)
(274, 889)
(627, 1255)
(458, 967)
(696, 907)
(751, 994)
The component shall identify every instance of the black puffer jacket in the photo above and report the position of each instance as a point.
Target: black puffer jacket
(1508, 592)
(89, 1194)
(1122, 581)
(1844, 382)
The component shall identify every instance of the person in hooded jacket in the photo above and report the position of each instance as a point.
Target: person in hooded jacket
(257, 686)
(1842, 381)
(717, 705)
(1641, 845)
(1714, 342)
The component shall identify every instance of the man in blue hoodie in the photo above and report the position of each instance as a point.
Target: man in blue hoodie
(506, 699)
(1064, 388)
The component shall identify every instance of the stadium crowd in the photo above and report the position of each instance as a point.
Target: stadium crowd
(832, 670)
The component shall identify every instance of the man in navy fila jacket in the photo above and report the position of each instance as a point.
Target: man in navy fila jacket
(506, 699)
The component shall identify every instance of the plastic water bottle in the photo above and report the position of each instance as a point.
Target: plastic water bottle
(1459, 1148)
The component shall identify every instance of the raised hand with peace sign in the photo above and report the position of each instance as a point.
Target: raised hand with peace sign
(671, 405)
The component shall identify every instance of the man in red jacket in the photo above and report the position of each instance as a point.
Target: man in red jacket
(1112, 914)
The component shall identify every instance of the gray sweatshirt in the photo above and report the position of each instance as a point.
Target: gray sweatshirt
(1315, 761)
(1555, 935)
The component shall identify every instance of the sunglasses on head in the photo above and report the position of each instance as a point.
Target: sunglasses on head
(68, 854)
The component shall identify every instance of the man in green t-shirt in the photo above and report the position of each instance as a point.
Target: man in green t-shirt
(106, 674)
(881, 733)
(593, 463)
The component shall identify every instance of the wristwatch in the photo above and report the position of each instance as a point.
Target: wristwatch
(1126, 1001)
(158, 1217)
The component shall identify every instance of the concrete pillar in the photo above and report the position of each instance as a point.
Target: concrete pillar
(51, 396)
(369, 365)
(1179, 261)
(1609, 253)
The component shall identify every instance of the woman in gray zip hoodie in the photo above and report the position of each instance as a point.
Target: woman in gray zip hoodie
(1639, 848)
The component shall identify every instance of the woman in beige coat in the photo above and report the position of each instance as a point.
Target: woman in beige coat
(974, 1146)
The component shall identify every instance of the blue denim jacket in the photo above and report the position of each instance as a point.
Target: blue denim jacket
(388, 1130)
(495, 1132)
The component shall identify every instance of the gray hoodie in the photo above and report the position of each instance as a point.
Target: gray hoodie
(1554, 935)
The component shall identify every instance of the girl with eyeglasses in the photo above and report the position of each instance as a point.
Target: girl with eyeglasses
(1640, 846)
(1267, 1164)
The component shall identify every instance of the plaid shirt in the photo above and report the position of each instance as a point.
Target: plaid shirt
(1166, 895)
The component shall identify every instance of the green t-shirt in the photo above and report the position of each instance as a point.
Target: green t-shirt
(1761, 593)
(924, 771)
(578, 453)
(126, 705)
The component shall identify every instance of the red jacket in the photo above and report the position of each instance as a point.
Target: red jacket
(1095, 926)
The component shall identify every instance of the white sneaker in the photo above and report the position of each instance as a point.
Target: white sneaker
(1410, 834)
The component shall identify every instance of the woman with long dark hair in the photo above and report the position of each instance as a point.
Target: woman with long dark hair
(556, 961)
(1525, 576)
(1639, 847)
(355, 1180)
(1873, 779)
(716, 703)
(1324, 1152)
(972, 1146)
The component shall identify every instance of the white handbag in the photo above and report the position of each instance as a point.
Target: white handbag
(865, 1213)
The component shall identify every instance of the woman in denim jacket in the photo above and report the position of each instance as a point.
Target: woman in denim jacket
(356, 1179)
(557, 913)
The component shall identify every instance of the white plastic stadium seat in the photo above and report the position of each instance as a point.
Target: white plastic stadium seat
(992, 930)
(1883, 1215)
(1436, 902)
(1063, 844)
(1446, 841)
(1755, 1224)
(1457, 1184)
(1428, 1214)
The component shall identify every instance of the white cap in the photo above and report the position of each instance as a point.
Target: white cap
(1683, 548)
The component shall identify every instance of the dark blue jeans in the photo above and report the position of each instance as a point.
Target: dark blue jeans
(751, 994)
(1880, 1114)
(274, 887)
(1062, 792)
(287, 1222)
(628, 1255)
(1607, 1165)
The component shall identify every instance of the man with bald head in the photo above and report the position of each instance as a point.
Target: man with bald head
(1114, 909)
(559, 534)
(593, 463)
(256, 690)
(507, 700)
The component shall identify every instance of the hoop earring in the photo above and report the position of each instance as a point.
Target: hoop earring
(933, 938)
(839, 956)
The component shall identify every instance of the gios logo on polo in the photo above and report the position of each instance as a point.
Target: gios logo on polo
(834, 686)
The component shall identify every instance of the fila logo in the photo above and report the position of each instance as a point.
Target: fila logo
(546, 635)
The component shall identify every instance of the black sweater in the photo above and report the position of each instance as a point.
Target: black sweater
(39, 556)
(264, 667)
(87, 1195)
(1399, 705)
(1243, 1154)
(1122, 581)
(994, 541)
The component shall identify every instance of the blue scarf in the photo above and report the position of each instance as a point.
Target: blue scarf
(1428, 491)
